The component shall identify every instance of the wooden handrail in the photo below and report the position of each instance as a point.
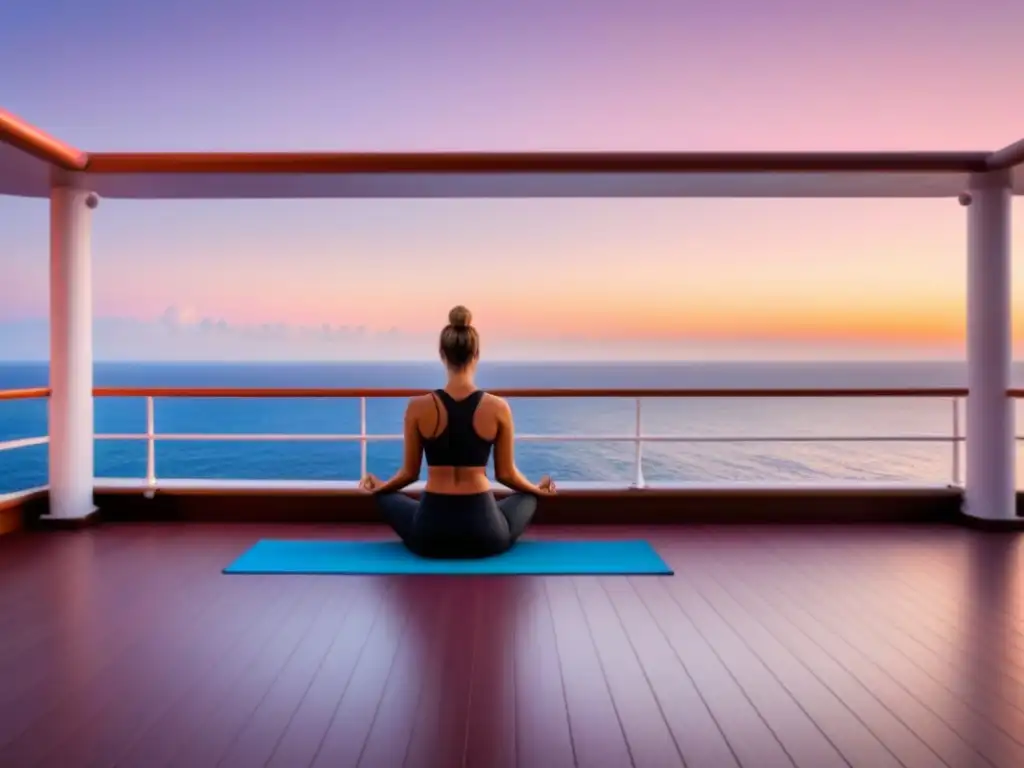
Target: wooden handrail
(533, 392)
(533, 162)
(1007, 158)
(28, 138)
(24, 394)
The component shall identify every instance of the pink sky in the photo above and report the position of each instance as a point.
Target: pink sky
(578, 278)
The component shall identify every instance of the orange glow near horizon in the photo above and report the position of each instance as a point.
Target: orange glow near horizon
(927, 324)
(881, 325)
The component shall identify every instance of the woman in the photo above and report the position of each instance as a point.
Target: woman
(457, 516)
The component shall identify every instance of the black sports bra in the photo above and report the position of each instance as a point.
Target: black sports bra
(458, 445)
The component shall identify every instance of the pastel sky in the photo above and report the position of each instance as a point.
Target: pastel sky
(581, 279)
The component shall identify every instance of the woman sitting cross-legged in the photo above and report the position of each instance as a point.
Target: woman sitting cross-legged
(457, 515)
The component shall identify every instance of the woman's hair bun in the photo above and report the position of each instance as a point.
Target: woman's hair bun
(460, 317)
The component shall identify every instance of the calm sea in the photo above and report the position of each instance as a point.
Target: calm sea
(597, 461)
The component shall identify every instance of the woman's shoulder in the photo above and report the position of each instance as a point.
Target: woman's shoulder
(495, 402)
(418, 402)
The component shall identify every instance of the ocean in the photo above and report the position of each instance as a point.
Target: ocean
(567, 461)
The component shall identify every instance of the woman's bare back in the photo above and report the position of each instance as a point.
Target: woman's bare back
(432, 421)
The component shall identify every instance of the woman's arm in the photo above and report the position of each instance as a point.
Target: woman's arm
(412, 456)
(504, 455)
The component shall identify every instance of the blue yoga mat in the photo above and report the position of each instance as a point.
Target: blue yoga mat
(629, 557)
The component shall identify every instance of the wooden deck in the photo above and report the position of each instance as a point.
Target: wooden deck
(772, 646)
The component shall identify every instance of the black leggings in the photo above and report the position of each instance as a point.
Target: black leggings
(457, 526)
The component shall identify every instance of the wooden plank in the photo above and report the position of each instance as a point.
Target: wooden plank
(639, 712)
(438, 737)
(300, 738)
(543, 726)
(352, 720)
(751, 737)
(694, 727)
(431, 613)
(491, 721)
(255, 743)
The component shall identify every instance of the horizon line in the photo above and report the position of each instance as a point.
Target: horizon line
(596, 361)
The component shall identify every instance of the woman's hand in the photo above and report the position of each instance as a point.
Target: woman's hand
(547, 486)
(370, 483)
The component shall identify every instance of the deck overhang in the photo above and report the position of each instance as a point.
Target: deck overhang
(32, 163)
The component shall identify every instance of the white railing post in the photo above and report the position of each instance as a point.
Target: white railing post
(638, 476)
(956, 441)
(72, 432)
(150, 448)
(990, 483)
(362, 437)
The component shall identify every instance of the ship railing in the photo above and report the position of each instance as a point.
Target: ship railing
(637, 437)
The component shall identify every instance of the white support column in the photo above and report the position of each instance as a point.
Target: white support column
(71, 406)
(990, 491)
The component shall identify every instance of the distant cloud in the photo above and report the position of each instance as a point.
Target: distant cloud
(176, 317)
(182, 334)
